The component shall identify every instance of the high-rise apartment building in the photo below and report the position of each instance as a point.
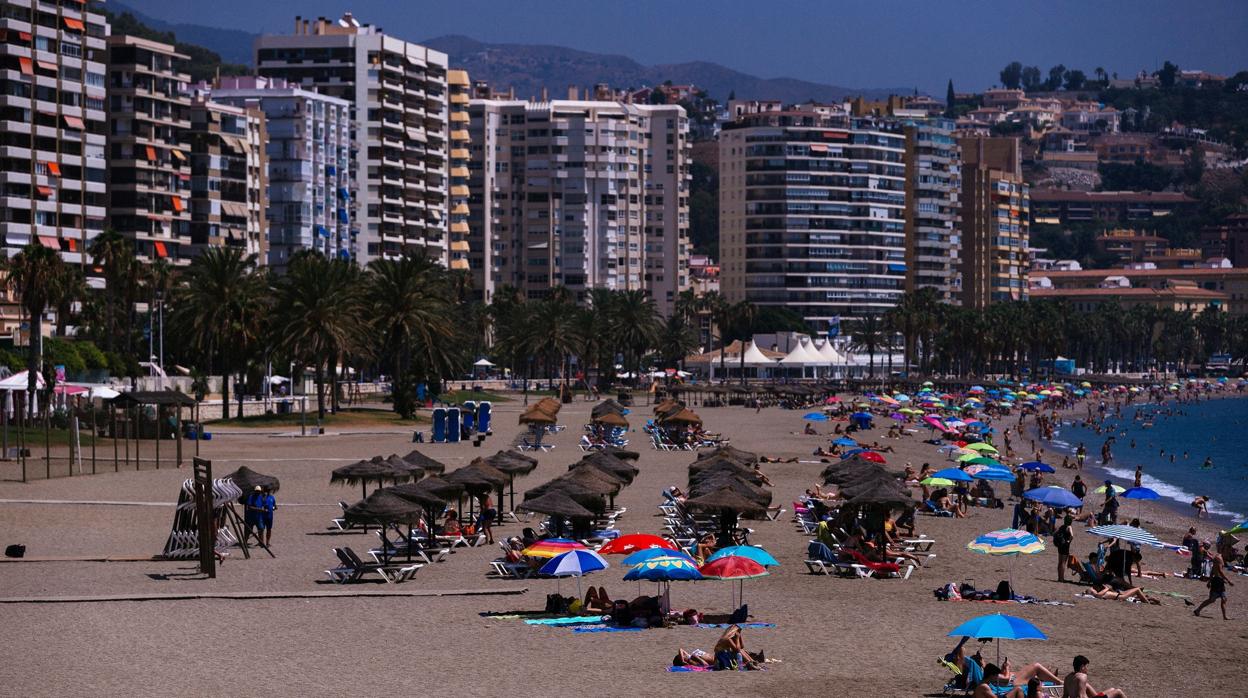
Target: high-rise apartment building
(52, 126)
(458, 90)
(229, 178)
(933, 184)
(310, 165)
(149, 169)
(398, 96)
(994, 222)
(583, 194)
(812, 213)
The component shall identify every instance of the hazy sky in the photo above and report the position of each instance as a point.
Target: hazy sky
(856, 43)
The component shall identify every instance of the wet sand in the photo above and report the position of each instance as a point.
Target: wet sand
(834, 636)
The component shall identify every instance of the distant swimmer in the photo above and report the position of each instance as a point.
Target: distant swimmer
(1208, 463)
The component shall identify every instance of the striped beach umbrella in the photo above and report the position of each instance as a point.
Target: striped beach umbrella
(1130, 534)
(552, 547)
(650, 553)
(1007, 541)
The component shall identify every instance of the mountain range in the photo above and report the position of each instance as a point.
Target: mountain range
(530, 68)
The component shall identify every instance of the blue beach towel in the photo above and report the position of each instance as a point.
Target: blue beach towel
(607, 629)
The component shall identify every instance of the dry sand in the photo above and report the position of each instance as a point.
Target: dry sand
(834, 636)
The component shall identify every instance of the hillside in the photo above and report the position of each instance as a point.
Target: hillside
(233, 45)
(529, 68)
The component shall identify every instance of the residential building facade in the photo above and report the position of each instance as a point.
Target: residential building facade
(310, 164)
(398, 96)
(459, 89)
(229, 178)
(580, 194)
(52, 127)
(933, 184)
(149, 170)
(812, 214)
(994, 204)
(1230, 283)
(1062, 207)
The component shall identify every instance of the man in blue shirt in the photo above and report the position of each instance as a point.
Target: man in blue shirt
(260, 506)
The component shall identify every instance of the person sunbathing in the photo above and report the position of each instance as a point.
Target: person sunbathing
(762, 477)
(730, 651)
(597, 601)
(706, 546)
(809, 430)
(875, 446)
(450, 524)
(677, 494)
(1104, 591)
(1076, 684)
(695, 658)
(1027, 673)
(775, 459)
(992, 684)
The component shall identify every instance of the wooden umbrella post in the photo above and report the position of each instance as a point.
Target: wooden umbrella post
(112, 411)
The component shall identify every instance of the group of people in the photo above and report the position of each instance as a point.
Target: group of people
(729, 654)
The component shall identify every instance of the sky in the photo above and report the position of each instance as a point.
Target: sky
(878, 43)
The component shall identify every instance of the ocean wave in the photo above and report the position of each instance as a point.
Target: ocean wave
(1169, 491)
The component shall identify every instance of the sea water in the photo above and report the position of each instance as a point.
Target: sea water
(1213, 429)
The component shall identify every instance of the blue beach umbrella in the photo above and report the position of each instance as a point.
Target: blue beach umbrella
(853, 452)
(953, 474)
(996, 475)
(998, 626)
(1054, 497)
(1037, 466)
(815, 417)
(574, 563)
(845, 441)
(1140, 493)
(752, 552)
(862, 415)
(664, 569)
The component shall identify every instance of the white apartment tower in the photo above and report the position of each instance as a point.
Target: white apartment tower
(52, 126)
(311, 173)
(581, 194)
(398, 96)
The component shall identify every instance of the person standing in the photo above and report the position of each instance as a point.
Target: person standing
(486, 519)
(1139, 476)
(1062, 538)
(1217, 585)
(1078, 487)
(1080, 454)
(262, 504)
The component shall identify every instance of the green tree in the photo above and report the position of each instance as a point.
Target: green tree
(951, 100)
(221, 311)
(1168, 74)
(320, 318)
(1031, 78)
(1075, 79)
(36, 274)
(1056, 75)
(868, 334)
(1012, 76)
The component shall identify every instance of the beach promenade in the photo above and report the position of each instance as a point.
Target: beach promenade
(269, 628)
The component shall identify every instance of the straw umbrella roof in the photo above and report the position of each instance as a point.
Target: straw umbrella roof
(745, 489)
(479, 468)
(611, 419)
(586, 497)
(472, 481)
(731, 452)
(384, 507)
(685, 416)
(508, 466)
(413, 492)
(725, 500)
(425, 463)
(607, 406)
(549, 404)
(622, 453)
(556, 503)
(369, 471)
(248, 479)
(536, 415)
(611, 463)
(882, 495)
(397, 463)
(593, 479)
(438, 487)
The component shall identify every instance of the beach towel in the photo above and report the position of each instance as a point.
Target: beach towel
(606, 629)
(574, 620)
(682, 669)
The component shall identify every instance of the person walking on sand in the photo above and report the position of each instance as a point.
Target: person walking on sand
(1217, 585)
(1080, 454)
(1076, 685)
(263, 504)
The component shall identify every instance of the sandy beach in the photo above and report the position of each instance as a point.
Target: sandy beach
(833, 636)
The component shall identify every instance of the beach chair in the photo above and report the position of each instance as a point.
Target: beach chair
(452, 425)
(929, 507)
(484, 416)
(341, 522)
(353, 569)
(439, 425)
(867, 568)
(504, 569)
(416, 546)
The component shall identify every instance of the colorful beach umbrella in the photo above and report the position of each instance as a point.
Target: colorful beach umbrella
(995, 475)
(651, 553)
(667, 568)
(984, 460)
(1006, 542)
(981, 446)
(733, 567)
(574, 563)
(752, 552)
(1117, 489)
(815, 417)
(633, 542)
(552, 547)
(936, 482)
(1239, 528)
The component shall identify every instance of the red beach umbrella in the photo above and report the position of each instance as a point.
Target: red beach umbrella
(734, 567)
(873, 457)
(631, 543)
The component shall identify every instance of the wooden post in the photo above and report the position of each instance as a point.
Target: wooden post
(47, 438)
(177, 433)
(199, 429)
(95, 432)
(20, 406)
(112, 411)
(138, 462)
(159, 426)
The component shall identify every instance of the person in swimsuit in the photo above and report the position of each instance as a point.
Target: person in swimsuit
(1217, 585)
(1104, 591)
(1076, 683)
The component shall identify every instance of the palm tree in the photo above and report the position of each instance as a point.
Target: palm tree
(414, 320)
(741, 316)
(115, 254)
(676, 340)
(634, 326)
(220, 310)
(36, 275)
(553, 333)
(721, 316)
(319, 316)
(868, 334)
(71, 287)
